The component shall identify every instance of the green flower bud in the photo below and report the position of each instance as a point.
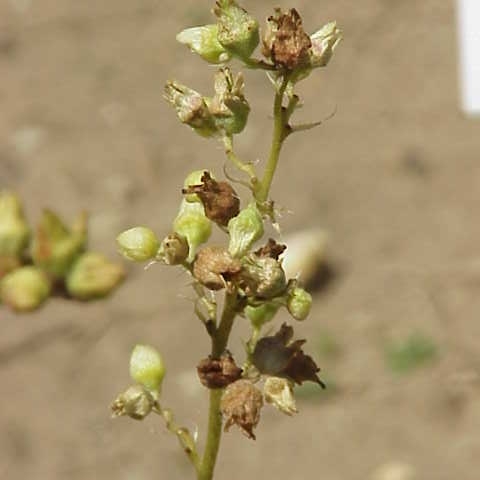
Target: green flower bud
(55, 247)
(261, 314)
(203, 41)
(279, 392)
(93, 276)
(173, 250)
(299, 303)
(194, 178)
(229, 105)
(136, 402)
(237, 30)
(324, 43)
(24, 289)
(245, 229)
(192, 224)
(138, 244)
(14, 230)
(147, 367)
(191, 108)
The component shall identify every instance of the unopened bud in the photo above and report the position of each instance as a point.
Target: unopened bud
(220, 200)
(279, 392)
(147, 367)
(192, 224)
(191, 108)
(93, 276)
(244, 230)
(214, 266)
(14, 230)
(24, 289)
(261, 314)
(55, 247)
(299, 303)
(139, 244)
(136, 402)
(173, 249)
(237, 30)
(262, 277)
(241, 404)
(203, 41)
(324, 42)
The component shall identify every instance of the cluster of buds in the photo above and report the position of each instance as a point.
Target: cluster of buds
(50, 259)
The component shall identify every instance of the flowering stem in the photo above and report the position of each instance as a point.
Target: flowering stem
(244, 167)
(219, 343)
(280, 132)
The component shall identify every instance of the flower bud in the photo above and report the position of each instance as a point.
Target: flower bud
(262, 277)
(55, 247)
(229, 105)
(138, 244)
(203, 41)
(240, 405)
(173, 249)
(261, 314)
(14, 230)
(192, 224)
(324, 43)
(194, 178)
(213, 266)
(24, 289)
(237, 30)
(93, 276)
(191, 108)
(136, 402)
(244, 230)
(147, 367)
(219, 199)
(279, 392)
(299, 303)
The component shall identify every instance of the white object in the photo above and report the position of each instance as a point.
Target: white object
(468, 16)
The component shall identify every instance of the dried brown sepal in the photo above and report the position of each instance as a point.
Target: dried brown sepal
(220, 200)
(277, 355)
(218, 372)
(214, 266)
(241, 404)
(272, 249)
(286, 42)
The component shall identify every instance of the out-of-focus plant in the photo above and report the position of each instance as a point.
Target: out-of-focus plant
(49, 260)
(234, 279)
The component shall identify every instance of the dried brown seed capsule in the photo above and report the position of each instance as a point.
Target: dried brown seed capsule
(214, 266)
(220, 200)
(272, 249)
(277, 355)
(285, 41)
(262, 277)
(218, 372)
(241, 405)
(136, 402)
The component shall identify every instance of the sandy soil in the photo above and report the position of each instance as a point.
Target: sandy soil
(393, 177)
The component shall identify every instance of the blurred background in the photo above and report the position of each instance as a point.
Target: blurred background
(393, 178)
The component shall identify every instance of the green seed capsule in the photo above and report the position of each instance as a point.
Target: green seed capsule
(261, 314)
(192, 224)
(299, 303)
(203, 41)
(245, 229)
(147, 367)
(139, 244)
(24, 289)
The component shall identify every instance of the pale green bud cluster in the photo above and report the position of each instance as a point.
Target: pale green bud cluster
(147, 367)
(52, 261)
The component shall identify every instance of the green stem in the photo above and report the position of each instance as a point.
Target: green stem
(279, 134)
(214, 434)
(242, 166)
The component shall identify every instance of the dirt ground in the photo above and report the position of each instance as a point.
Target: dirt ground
(393, 177)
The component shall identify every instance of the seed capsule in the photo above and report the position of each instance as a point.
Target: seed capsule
(139, 244)
(147, 367)
(136, 402)
(245, 229)
(299, 303)
(279, 392)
